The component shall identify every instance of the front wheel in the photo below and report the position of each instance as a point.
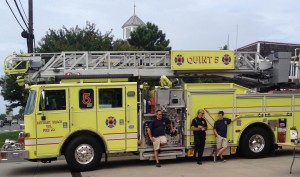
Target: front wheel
(83, 154)
(255, 143)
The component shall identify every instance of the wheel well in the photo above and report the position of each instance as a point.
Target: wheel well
(81, 133)
(261, 125)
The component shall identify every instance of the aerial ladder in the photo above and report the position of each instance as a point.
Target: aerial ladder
(43, 67)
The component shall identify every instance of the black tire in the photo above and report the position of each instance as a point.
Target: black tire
(87, 156)
(255, 143)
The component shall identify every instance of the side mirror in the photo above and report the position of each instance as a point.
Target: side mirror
(43, 104)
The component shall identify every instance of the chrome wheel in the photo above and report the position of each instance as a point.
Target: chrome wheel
(84, 154)
(256, 143)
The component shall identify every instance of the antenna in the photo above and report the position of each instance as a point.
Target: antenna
(237, 35)
(134, 8)
(228, 42)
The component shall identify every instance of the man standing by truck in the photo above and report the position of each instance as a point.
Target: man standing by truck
(220, 130)
(156, 132)
(199, 127)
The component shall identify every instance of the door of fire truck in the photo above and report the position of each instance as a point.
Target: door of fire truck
(111, 116)
(52, 123)
(83, 108)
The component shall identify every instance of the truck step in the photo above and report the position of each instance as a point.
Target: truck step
(165, 153)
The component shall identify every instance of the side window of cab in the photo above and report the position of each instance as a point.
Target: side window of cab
(54, 100)
(86, 98)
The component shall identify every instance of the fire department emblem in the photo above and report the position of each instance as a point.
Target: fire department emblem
(111, 122)
(179, 59)
(226, 59)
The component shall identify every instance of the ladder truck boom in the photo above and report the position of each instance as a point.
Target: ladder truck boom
(41, 67)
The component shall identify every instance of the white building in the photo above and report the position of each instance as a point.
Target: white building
(131, 24)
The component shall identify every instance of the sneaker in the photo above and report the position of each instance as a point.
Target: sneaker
(157, 165)
(199, 162)
(222, 159)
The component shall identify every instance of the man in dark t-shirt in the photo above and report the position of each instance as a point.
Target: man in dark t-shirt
(156, 132)
(220, 130)
(199, 126)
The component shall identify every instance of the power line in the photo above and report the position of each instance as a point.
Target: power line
(14, 15)
(21, 14)
(23, 10)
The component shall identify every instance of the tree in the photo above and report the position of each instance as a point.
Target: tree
(149, 38)
(225, 47)
(76, 39)
(123, 45)
(2, 116)
(12, 92)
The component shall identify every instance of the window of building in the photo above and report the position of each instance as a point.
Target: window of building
(54, 100)
(128, 31)
(110, 98)
(86, 98)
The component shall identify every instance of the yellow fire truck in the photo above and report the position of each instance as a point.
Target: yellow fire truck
(87, 104)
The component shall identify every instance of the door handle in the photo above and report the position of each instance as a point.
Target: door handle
(43, 117)
(71, 115)
(128, 113)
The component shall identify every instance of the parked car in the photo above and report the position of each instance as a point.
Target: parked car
(6, 122)
(15, 121)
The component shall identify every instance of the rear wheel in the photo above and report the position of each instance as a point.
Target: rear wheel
(83, 153)
(255, 143)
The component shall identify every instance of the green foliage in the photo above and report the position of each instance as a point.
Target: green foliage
(123, 45)
(149, 38)
(76, 39)
(8, 135)
(12, 92)
(225, 47)
(2, 116)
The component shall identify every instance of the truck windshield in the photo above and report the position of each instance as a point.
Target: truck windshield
(30, 102)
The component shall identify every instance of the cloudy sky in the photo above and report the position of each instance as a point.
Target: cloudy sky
(189, 24)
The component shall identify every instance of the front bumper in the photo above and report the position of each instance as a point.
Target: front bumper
(14, 155)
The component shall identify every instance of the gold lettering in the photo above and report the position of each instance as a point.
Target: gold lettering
(43, 122)
(209, 59)
(189, 60)
(56, 121)
(195, 59)
(48, 126)
(216, 59)
(204, 59)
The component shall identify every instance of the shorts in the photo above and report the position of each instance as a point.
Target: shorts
(159, 140)
(221, 142)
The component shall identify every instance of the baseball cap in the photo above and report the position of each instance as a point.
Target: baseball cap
(200, 110)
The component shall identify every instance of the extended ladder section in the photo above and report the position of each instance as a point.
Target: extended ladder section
(42, 66)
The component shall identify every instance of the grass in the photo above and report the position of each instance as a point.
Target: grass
(8, 135)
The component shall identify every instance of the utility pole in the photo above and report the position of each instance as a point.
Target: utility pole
(30, 26)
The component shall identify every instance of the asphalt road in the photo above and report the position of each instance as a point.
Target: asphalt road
(13, 127)
(275, 166)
